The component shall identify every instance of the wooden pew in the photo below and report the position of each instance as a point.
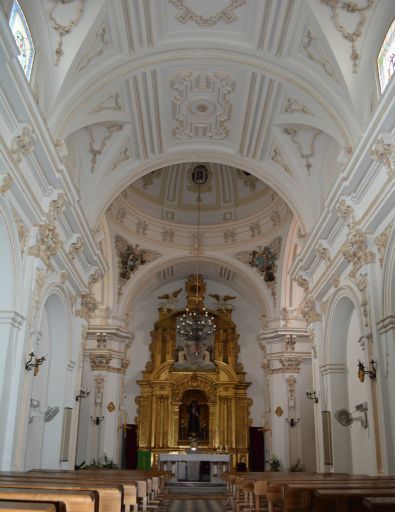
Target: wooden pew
(261, 486)
(300, 495)
(75, 501)
(270, 487)
(347, 500)
(131, 489)
(26, 506)
(379, 504)
(110, 495)
(143, 480)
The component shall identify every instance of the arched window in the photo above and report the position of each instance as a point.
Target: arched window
(23, 38)
(386, 58)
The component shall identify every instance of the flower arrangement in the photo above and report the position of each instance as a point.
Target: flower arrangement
(103, 462)
(274, 463)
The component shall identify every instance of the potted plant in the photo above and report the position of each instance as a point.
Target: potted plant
(103, 462)
(274, 463)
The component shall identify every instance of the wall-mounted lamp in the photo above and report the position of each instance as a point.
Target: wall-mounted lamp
(312, 395)
(97, 420)
(82, 394)
(371, 371)
(292, 422)
(38, 361)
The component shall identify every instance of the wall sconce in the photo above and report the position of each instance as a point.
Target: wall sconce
(312, 395)
(97, 420)
(82, 394)
(371, 371)
(38, 361)
(292, 422)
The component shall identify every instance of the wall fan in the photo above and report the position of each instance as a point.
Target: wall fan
(346, 418)
(47, 415)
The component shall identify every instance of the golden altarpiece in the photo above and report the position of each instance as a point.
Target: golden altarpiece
(182, 373)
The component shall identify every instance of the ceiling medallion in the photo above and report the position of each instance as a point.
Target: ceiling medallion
(226, 14)
(198, 116)
(202, 106)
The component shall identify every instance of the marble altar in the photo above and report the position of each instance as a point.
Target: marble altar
(187, 466)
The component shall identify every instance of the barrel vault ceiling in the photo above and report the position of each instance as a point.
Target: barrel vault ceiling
(268, 88)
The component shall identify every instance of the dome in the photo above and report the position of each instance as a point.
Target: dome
(228, 195)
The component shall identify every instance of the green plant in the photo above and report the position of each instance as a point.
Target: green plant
(274, 463)
(103, 462)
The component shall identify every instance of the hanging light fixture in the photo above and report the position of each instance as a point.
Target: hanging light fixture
(196, 325)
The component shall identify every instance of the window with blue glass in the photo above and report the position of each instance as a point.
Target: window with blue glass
(386, 58)
(23, 38)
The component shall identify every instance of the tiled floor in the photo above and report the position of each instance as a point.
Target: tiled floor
(198, 504)
(195, 497)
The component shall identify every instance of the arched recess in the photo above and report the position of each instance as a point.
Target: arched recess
(342, 351)
(11, 345)
(44, 438)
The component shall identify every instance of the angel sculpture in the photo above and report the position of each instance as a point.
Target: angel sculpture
(170, 299)
(222, 300)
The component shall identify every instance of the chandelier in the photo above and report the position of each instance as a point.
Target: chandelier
(196, 325)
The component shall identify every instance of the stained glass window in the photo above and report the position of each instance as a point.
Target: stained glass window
(386, 58)
(23, 38)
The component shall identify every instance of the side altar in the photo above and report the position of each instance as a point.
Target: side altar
(194, 390)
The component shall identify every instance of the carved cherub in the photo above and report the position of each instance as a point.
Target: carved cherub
(170, 298)
(222, 300)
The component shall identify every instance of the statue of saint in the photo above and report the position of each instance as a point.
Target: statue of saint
(194, 423)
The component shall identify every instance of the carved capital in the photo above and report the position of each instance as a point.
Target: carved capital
(5, 183)
(309, 312)
(356, 252)
(384, 151)
(94, 276)
(75, 245)
(88, 306)
(290, 364)
(100, 361)
(56, 207)
(302, 282)
(63, 276)
(323, 253)
(47, 244)
(382, 241)
(23, 144)
(346, 212)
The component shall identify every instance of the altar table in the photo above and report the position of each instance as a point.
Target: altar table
(186, 466)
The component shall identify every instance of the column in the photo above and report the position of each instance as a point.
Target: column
(101, 414)
(287, 419)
